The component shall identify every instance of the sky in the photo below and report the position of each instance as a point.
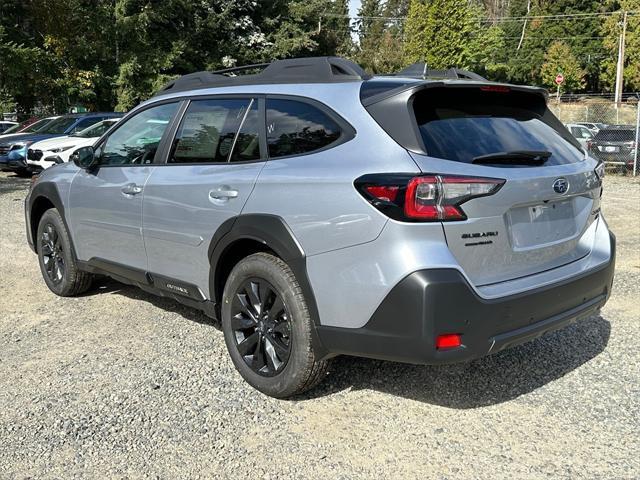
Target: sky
(354, 5)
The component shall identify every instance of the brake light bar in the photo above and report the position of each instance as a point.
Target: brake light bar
(424, 198)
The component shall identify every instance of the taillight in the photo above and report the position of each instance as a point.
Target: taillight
(426, 198)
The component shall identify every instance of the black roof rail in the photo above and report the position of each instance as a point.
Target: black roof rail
(421, 70)
(294, 70)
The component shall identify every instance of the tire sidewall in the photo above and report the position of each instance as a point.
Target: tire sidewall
(257, 266)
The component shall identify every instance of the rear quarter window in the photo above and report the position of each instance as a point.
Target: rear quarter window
(460, 124)
(295, 128)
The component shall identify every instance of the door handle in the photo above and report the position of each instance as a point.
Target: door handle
(223, 193)
(131, 189)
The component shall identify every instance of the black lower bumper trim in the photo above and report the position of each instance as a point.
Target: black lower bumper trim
(429, 303)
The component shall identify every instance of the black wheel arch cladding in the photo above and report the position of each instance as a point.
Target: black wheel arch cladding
(46, 191)
(273, 232)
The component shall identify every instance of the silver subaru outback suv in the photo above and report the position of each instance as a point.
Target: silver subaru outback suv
(423, 217)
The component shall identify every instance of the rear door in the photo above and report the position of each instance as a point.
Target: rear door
(209, 173)
(543, 215)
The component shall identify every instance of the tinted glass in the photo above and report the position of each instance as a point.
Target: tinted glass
(85, 123)
(37, 126)
(247, 145)
(207, 131)
(59, 125)
(136, 141)
(616, 135)
(460, 125)
(375, 86)
(294, 128)
(96, 130)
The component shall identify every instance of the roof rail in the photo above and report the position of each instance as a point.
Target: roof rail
(295, 70)
(421, 70)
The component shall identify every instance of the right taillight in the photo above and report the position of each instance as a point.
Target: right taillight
(425, 198)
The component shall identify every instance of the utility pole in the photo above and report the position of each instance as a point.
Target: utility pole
(620, 67)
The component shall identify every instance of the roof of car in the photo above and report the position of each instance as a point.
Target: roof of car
(307, 70)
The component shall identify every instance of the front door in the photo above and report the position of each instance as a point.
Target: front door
(209, 174)
(106, 202)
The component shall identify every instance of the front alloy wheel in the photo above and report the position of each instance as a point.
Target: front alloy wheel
(52, 254)
(261, 327)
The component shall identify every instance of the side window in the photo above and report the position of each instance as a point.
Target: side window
(247, 146)
(207, 130)
(85, 123)
(136, 141)
(585, 133)
(295, 127)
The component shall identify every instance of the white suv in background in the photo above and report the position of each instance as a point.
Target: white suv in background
(46, 153)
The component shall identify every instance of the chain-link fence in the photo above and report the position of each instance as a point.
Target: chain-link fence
(609, 131)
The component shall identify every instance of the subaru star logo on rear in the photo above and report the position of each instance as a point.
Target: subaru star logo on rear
(561, 186)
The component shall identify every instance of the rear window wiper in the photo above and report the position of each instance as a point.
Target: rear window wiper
(516, 157)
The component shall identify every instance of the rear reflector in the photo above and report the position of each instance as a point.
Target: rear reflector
(450, 340)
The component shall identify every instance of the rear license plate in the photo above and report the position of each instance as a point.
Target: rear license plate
(542, 224)
(610, 149)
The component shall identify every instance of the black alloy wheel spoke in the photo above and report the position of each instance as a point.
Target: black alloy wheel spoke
(260, 324)
(52, 254)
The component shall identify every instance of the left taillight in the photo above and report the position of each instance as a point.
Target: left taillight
(424, 198)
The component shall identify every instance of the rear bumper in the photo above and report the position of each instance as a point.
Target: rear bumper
(429, 303)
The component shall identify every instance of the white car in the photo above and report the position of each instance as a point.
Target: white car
(46, 153)
(580, 133)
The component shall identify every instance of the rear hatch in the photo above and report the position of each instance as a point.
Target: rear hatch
(543, 215)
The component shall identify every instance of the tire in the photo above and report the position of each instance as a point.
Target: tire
(23, 173)
(279, 325)
(57, 263)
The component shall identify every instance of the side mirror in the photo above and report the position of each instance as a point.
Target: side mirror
(84, 158)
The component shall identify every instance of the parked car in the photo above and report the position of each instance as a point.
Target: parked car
(616, 144)
(4, 125)
(46, 153)
(28, 126)
(594, 127)
(13, 149)
(318, 211)
(580, 133)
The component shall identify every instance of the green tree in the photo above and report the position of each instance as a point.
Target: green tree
(449, 33)
(560, 60)
(612, 29)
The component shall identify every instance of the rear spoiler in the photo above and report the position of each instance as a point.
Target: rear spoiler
(393, 109)
(414, 88)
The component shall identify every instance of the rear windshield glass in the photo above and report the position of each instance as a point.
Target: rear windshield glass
(616, 135)
(462, 124)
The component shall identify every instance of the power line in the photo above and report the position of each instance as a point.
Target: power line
(564, 16)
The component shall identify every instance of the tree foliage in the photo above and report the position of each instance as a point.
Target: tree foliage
(560, 60)
(106, 54)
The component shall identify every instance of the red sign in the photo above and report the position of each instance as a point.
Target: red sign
(559, 79)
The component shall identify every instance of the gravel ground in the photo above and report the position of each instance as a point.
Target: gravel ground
(119, 383)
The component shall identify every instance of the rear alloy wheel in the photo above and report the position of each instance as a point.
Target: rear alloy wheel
(267, 327)
(261, 327)
(57, 263)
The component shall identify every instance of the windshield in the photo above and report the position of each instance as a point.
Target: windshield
(58, 126)
(96, 130)
(463, 124)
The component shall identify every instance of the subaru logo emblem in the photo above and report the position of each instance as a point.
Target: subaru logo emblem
(561, 186)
